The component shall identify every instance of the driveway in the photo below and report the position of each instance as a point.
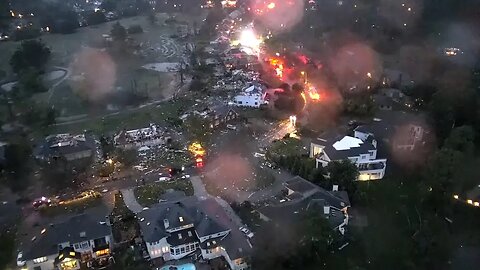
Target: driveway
(131, 201)
(198, 187)
(201, 193)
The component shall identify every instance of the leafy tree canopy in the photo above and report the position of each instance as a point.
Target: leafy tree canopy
(30, 54)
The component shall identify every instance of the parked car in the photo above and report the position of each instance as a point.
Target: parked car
(246, 231)
(163, 178)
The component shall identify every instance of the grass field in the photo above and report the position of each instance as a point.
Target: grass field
(69, 50)
(126, 119)
(150, 194)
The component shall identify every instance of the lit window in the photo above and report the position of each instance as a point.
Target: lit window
(180, 218)
(179, 236)
(102, 252)
(40, 260)
(469, 201)
(190, 233)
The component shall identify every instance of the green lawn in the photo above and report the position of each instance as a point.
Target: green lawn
(150, 194)
(128, 119)
(286, 147)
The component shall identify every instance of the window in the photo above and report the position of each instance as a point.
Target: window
(165, 249)
(76, 246)
(182, 250)
(189, 233)
(40, 260)
(37, 268)
(256, 103)
(179, 236)
(85, 244)
(172, 251)
(187, 249)
(240, 102)
(180, 219)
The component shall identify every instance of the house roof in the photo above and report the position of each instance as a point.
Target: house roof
(208, 217)
(222, 109)
(342, 147)
(182, 237)
(300, 185)
(236, 245)
(190, 209)
(64, 144)
(74, 230)
(312, 196)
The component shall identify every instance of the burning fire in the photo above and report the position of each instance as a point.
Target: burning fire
(312, 92)
(196, 149)
(271, 5)
(250, 42)
(278, 65)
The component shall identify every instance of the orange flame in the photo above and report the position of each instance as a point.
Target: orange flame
(278, 65)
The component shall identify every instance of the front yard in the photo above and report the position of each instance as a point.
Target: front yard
(150, 194)
(75, 205)
(125, 226)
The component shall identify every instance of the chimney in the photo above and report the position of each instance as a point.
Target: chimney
(335, 188)
(166, 224)
(326, 210)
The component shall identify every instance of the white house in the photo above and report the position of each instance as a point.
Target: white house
(250, 97)
(90, 238)
(173, 230)
(360, 150)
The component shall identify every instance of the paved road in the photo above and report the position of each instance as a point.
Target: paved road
(131, 201)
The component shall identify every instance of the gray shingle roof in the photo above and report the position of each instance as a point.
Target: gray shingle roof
(286, 212)
(182, 237)
(208, 218)
(335, 154)
(74, 230)
(199, 213)
(45, 149)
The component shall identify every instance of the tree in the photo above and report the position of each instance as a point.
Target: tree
(107, 146)
(440, 175)
(118, 32)
(30, 83)
(50, 116)
(317, 238)
(30, 54)
(198, 128)
(135, 29)
(93, 18)
(127, 157)
(152, 18)
(461, 139)
(343, 173)
(109, 5)
(17, 156)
